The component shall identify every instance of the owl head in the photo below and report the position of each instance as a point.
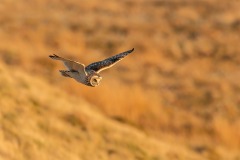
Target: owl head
(94, 79)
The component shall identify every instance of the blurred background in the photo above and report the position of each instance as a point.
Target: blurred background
(177, 96)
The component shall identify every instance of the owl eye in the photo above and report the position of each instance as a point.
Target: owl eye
(89, 75)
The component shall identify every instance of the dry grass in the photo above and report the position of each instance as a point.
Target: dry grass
(180, 84)
(48, 124)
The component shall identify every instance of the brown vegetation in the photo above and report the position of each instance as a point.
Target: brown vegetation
(181, 83)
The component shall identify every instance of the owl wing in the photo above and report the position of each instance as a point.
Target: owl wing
(71, 65)
(107, 63)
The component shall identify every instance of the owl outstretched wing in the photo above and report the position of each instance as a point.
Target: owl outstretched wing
(107, 63)
(71, 65)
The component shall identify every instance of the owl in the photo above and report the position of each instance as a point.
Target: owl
(88, 75)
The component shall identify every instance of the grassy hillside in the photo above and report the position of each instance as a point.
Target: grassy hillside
(181, 84)
(40, 122)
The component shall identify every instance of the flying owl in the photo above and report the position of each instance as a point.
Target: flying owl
(88, 75)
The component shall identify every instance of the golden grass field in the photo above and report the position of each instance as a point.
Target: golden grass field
(177, 96)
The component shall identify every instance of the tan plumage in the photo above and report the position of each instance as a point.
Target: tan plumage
(88, 75)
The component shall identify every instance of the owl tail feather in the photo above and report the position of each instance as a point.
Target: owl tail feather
(64, 73)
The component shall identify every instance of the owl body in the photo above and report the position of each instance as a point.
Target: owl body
(88, 75)
(91, 79)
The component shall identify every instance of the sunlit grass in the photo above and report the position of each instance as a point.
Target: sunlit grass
(181, 83)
